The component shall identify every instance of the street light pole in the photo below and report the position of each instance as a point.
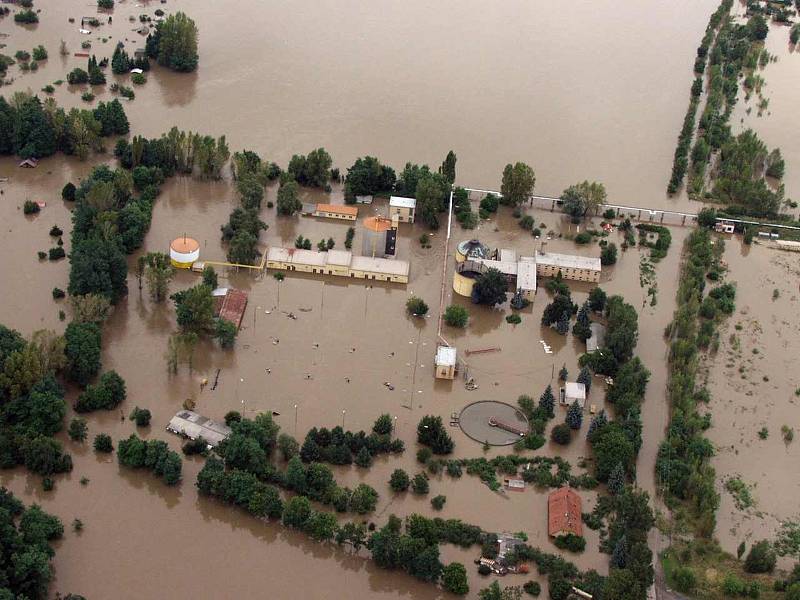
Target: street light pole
(295, 420)
(343, 414)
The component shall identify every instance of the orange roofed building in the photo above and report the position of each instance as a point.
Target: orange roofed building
(564, 513)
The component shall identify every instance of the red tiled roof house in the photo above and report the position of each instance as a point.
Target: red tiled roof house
(564, 513)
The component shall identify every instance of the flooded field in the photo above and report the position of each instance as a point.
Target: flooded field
(402, 88)
(753, 381)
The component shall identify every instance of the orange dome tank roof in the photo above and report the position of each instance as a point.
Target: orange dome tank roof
(377, 224)
(184, 245)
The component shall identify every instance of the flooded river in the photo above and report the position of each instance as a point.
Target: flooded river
(562, 88)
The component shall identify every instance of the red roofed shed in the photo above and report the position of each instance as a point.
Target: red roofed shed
(564, 513)
(233, 306)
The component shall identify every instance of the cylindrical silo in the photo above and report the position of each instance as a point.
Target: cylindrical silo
(376, 230)
(183, 252)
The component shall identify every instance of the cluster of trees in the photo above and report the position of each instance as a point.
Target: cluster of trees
(316, 482)
(681, 160)
(150, 454)
(244, 226)
(339, 447)
(32, 406)
(173, 44)
(463, 209)
(121, 63)
(108, 393)
(312, 170)
(582, 199)
(31, 128)
(658, 248)
(559, 312)
(622, 333)
(432, 433)
(25, 548)
(517, 184)
(368, 177)
(176, 152)
(683, 463)
(737, 48)
(739, 180)
(194, 309)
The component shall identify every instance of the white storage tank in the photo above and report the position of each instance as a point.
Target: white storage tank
(183, 252)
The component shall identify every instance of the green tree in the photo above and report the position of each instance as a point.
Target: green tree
(583, 198)
(448, 168)
(547, 402)
(288, 202)
(322, 526)
(432, 193)
(456, 316)
(210, 277)
(78, 430)
(431, 433)
(597, 299)
(574, 416)
(363, 458)
(490, 288)
(174, 43)
(288, 446)
(611, 446)
(311, 170)
(454, 579)
(158, 272)
(364, 499)
(420, 485)
(383, 425)
(416, 307)
(82, 351)
(582, 329)
(616, 480)
(367, 177)
(297, 512)
(560, 434)
(399, 481)
(761, 558)
(195, 309)
(103, 443)
(518, 182)
(225, 332)
(608, 255)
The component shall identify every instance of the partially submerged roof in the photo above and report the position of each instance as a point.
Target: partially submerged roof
(568, 261)
(445, 356)
(233, 306)
(402, 202)
(342, 209)
(598, 337)
(564, 512)
(380, 265)
(526, 274)
(574, 390)
(340, 258)
(194, 425)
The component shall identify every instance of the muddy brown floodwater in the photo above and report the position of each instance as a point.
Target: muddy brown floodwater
(601, 85)
(753, 381)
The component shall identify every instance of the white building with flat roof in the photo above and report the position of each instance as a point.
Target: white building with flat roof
(445, 362)
(338, 262)
(403, 207)
(574, 392)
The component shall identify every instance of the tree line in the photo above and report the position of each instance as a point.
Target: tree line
(30, 128)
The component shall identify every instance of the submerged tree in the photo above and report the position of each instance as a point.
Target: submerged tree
(174, 43)
(518, 182)
(158, 272)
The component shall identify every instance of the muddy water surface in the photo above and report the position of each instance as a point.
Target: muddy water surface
(401, 87)
(753, 380)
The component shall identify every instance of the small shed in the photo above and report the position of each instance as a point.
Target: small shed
(564, 513)
(29, 163)
(573, 392)
(363, 199)
(598, 338)
(445, 362)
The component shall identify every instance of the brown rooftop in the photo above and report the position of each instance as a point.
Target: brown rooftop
(338, 208)
(564, 513)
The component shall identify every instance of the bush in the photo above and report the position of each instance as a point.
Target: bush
(30, 207)
(424, 455)
(56, 231)
(416, 307)
(56, 253)
(107, 394)
(197, 446)
(141, 416)
(583, 238)
(514, 319)
(68, 192)
(103, 443)
(608, 256)
(26, 16)
(532, 588)
(761, 558)
(107, 4)
(41, 254)
(456, 316)
(58, 293)
(454, 579)
(484, 569)
(560, 434)
(571, 542)
(526, 222)
(399, 481)
(77, 430)
(437, 502)
(138, 79)
(684, 579)
(419, 484)
(77, 76)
